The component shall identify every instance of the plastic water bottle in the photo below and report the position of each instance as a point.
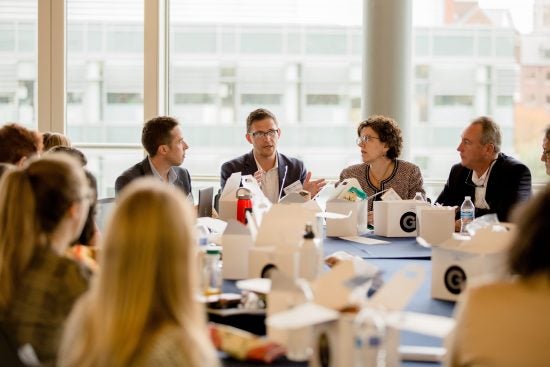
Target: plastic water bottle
(211, 273)
(311, 255)
(418, 196)
(467, 213)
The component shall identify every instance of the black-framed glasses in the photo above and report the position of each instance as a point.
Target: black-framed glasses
(263, 134)
(364, 139)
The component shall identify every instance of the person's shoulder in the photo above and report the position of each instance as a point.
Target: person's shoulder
(407, 166)
(360, 167)
(64, 274)
(134, 171)
(487, 290)
(510, 161)
(237, 161)
(181, 171)
(289, 159)
(164, 349)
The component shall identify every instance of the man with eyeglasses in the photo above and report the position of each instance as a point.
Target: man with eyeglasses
(162, 139)
(273, 170)
(545, 157)
(495, 181)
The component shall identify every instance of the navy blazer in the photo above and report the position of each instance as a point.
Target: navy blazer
(509, 183)
(143, 168)
(246, 164)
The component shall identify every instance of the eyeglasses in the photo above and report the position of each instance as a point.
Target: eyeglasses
(262, 134)
(364, 139)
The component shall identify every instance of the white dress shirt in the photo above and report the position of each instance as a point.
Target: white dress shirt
(270, 181)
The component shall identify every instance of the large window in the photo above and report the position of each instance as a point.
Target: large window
(105, 82)
(304, 65)
(18, 53)
(301, 59)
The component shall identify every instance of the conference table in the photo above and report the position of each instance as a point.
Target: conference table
(389, 258)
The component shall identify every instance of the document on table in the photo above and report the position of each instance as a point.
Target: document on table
(365, 240)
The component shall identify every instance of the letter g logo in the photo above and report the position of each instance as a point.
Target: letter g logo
(408, 222)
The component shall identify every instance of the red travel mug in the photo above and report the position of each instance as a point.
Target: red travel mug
(244, 204)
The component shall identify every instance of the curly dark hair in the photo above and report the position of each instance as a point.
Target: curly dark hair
(388, 132)
(529, 253)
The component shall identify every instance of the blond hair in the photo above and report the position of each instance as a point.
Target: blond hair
(51, 140)
(33, 202)
(147, 280)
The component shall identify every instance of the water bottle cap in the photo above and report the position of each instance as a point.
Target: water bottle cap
(467, 197)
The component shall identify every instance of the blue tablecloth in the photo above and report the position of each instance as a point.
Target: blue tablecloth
(390, 258)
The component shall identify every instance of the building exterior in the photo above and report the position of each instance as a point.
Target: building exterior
(228, 58)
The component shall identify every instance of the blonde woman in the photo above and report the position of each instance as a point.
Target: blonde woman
(43, 207)
(51, 140)
(142, 309)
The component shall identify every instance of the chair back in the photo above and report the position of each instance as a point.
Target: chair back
(104, 207)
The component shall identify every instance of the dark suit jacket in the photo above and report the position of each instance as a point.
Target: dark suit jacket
(246, 164)
(509, 183)
(143, 168)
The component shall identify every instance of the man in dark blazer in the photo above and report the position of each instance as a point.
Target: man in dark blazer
(273, 170)
(161, 137)
(494, 181)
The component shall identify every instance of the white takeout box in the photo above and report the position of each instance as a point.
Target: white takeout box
(262, 259)
(335, 334)
(455, 262)
(284, 225)
(396, 218)
(228, 198)
(236, 241)
(435, 224)
(355, 212)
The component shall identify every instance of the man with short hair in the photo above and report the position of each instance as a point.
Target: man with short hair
(545, 157)
(161, 137)
(273, 170)
(17, 143)
(494, 181)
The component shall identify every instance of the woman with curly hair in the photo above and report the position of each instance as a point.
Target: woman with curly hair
(380, 142)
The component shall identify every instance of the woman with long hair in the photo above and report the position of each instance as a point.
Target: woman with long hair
(43, 207)
(506, 323)
(142, 308)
